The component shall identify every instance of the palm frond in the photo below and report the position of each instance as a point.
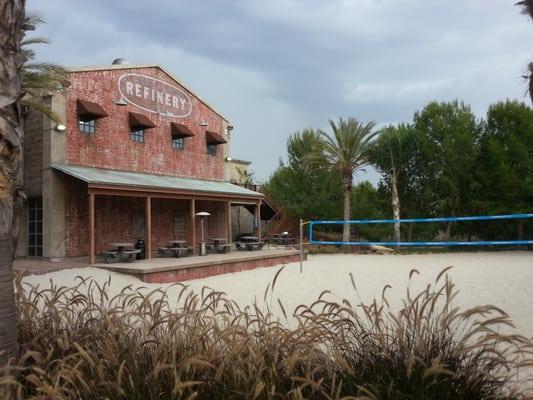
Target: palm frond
(531, 81)
(345, 149)
(34, 40)
(527, 7)
(39, 78)
(31, 20)
(40, 107)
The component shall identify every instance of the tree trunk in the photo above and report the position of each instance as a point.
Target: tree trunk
(11, 133)
(395, 207)
(449, 224)
(347, 207)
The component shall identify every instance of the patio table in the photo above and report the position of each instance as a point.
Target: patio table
(177, 243)
(122, 246)
(124, 252)
(249, 238)
(249, 243)
(219, 245)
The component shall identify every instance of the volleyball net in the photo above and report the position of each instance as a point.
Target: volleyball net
(493, 230)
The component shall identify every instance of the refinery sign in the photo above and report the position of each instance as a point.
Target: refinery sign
(154, 95)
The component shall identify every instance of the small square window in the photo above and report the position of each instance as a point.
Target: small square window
(137, 135)
(212, 149)
(87, 125)
(178, 143)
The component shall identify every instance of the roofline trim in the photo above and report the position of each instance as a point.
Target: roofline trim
(74, 174)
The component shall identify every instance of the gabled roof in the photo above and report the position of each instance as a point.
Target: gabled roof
(138, 66)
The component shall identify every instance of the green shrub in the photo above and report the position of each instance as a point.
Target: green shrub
(80, 343)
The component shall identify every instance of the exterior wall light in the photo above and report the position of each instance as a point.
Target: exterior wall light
(203, 123)
(61, 128)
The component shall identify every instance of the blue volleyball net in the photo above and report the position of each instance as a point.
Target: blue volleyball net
(493, 230)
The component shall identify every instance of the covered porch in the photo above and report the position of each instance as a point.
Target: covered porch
(119, 206)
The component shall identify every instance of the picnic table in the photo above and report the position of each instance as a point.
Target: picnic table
(121, 252)
(174, 248)
(177, 242)
(218, 245)
(283, 239)
(249, 243)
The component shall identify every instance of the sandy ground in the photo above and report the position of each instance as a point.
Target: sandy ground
(504, 279)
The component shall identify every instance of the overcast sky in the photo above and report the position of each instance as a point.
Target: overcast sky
(275, 67)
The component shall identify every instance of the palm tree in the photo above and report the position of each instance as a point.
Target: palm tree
(12, 29)
(346, 152)
(527, 9)
(21, 84)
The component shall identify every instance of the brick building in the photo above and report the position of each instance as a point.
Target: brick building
(138, 155)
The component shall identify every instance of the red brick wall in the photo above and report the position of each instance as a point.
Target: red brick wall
(111, 146)
(76, 218)
(215, 223)
(163, 221)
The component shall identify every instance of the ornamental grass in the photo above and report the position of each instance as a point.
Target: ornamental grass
(81, 343)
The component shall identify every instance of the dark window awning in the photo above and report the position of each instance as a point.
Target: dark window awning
(140, 121)
(180, 130)
(214, 138)
(88, 109)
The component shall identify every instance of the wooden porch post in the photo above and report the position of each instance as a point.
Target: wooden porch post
(192, 225)
(257, 217)
(148, 230)
(92, 250)
(228, 221)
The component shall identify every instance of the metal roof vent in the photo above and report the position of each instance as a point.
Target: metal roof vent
(120, 61)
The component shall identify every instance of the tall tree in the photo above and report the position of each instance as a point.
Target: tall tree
(369, 202)
(345, 151)
(527, 9)
(505, 162)
(306, 193)
(12, 30)
(394, 156)
(448, 141)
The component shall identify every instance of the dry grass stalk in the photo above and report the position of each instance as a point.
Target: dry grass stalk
(79, 343)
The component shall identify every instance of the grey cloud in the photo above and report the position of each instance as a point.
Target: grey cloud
(279, 66)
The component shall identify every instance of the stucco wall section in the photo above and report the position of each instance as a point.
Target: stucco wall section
(33, 153)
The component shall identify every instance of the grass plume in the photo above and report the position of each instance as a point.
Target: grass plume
(79, 342)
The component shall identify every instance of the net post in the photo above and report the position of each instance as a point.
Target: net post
(301, 245)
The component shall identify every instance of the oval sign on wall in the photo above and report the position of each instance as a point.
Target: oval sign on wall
(154, 95)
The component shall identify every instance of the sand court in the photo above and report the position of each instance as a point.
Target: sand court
(504, 279)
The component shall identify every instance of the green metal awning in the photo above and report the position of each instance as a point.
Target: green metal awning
(142, 181)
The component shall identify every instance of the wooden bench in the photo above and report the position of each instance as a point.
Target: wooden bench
(115, 256)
